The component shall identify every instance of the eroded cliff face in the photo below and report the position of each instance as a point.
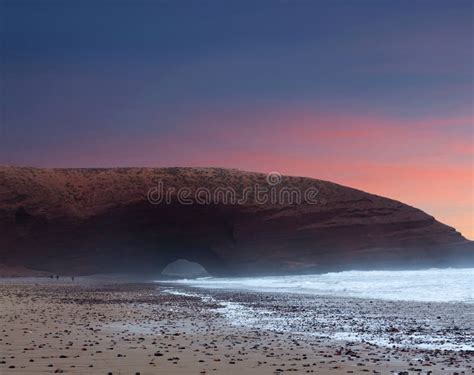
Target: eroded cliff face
(84, 221)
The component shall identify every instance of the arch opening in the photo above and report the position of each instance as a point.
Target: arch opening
(183, 268)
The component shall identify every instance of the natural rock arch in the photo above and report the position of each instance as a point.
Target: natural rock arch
(85, 221)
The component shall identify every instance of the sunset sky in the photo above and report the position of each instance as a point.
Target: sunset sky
(376, 95)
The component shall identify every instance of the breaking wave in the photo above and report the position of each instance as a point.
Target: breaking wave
(432, 285)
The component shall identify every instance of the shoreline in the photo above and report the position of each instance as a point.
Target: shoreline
(130, 328)
(386, 323)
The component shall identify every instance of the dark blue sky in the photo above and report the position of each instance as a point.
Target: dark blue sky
(407, 58)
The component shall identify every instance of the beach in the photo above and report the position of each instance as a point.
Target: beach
(108, 327)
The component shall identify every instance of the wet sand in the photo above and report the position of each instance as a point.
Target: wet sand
(109, 327)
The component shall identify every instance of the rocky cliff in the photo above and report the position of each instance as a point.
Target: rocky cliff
(86, 221)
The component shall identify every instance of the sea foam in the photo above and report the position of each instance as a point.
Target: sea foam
(431, 285)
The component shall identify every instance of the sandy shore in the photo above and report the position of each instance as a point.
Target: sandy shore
(92, 327)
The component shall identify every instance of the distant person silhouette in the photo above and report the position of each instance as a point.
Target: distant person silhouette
(57, 277)
(72, 278)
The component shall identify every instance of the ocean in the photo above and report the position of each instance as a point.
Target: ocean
(431, 285)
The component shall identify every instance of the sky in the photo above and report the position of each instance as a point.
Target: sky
(376, 95)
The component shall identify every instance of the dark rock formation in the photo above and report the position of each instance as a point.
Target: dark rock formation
(86, 221)
(20, 271)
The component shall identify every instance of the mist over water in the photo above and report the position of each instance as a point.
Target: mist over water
(432, 285)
